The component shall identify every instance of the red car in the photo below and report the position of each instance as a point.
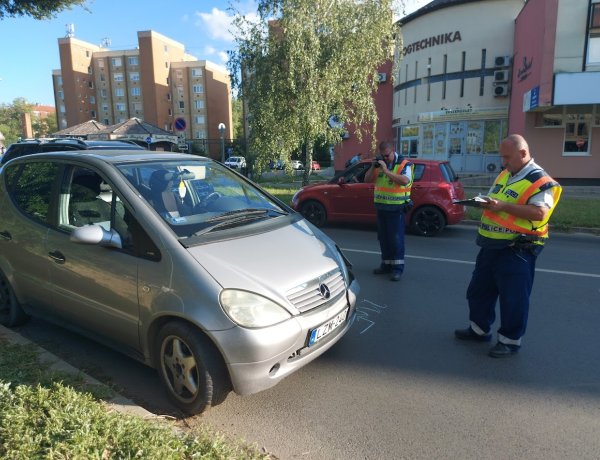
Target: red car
(347, 198)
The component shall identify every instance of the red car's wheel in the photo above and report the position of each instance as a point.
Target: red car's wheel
(427, 221)
(314, 212)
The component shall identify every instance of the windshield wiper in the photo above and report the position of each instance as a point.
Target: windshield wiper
(244, 213)
(232, 219)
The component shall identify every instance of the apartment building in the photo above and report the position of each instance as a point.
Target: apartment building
(157, 82)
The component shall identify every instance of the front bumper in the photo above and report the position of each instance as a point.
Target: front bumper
(258, 359)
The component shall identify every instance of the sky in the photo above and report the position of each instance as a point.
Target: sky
(29, 48)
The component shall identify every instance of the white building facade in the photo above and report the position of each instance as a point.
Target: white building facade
(451, 93)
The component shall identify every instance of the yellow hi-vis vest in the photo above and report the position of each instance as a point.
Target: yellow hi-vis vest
(389, 192)
(504, 226)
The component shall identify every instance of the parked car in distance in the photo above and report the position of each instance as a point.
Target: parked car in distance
(297, 164)
(347, 198)
(235, 162)
(29, 146)
(315, 165)
(168, 258)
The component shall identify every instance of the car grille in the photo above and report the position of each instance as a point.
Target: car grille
(308, 295)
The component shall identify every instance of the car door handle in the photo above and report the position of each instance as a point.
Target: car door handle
(57, 257)
(5, 235)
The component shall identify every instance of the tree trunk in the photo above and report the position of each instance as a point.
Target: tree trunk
(307, 163)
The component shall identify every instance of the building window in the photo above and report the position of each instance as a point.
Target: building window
(100, 63)
(201, 134)
(134, 76)
(166, 64)
(106, 121)
(593, 56)
(87, 53)
(444, 72)
(118, 77)
(181, 105)
(168, 96)
(482, 78)
(61, 95)
(119, 92)
(180, 89)
(577, 122)
(59, 81)
(137, 106)
(200, 120)
(135, 91)
(90, 84)
(197, 72)
(92, 100)
(462, 67)
(116, 62)
(133, 60)
(170, 113)
(199, 104)
(90, 70)
(102, 78)
(178, 74)
(120, 107)
(120, 120)
(93, 113)
(105, 107)
(103, 93)
(62, 108)
(198, 89)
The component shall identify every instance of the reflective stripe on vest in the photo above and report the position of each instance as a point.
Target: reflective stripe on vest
(389, 192)
(505, 226)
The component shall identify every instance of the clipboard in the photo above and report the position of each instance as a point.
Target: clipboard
(475, 202)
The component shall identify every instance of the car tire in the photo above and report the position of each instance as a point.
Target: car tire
(427, 221)
(314, 212)
(11, 313)
(191, 368)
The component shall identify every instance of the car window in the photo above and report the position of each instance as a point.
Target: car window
(418, 171)
(448, 172)
(30, 187)
(189, 195)
(356, 174)
(86, 199)
(18, 150)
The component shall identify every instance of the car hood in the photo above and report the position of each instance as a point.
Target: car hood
(270, 263)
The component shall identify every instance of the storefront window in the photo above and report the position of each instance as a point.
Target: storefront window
(492, 136)
(427, 148)
(552, 117)
(578, 121)
(440, 139)
(410, 131)
(474, 137)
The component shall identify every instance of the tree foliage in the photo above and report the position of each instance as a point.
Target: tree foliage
(11, 121)
(304, 62)
(37, 9)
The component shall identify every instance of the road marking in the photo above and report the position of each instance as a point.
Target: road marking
(457, 261)
(363, 315)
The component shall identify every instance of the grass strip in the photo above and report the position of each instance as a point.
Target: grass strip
(46, 414)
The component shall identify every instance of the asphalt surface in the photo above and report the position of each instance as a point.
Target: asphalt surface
(399, 385)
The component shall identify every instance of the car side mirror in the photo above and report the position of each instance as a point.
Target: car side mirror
(96, 234)
(341, 180)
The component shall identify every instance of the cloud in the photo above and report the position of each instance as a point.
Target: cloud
(216, 23)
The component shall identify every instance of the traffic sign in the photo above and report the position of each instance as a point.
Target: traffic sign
(180, 124)
(149, 140)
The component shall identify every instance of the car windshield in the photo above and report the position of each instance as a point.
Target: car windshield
(199, 195)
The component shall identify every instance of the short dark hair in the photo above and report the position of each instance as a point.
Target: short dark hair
(386, 145)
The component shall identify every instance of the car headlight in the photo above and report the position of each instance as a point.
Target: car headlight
(344, 264)
(252, 310)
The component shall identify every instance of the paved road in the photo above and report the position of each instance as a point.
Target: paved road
(399, 385)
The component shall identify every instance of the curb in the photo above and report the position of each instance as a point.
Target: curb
(118, 403)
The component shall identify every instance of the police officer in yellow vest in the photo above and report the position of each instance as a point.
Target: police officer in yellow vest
(512, 233)
(393, 181)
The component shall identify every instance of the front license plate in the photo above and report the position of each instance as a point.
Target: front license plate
(327, 328)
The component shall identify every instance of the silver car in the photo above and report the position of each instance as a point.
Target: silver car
(169, 258)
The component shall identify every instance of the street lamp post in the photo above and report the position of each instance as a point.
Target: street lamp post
(222, 134)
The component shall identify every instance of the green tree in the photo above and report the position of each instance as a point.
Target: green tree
(304, 62)
(11, 116)
(37, 9)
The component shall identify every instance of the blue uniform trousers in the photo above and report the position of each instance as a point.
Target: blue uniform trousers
(390, 232)
(506, 275)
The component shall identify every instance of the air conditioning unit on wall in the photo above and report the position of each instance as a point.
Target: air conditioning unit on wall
(501, 61)
(501, 90)
(501, 75)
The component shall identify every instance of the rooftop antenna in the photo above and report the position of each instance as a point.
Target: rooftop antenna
(70, 30)
(105, 42)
